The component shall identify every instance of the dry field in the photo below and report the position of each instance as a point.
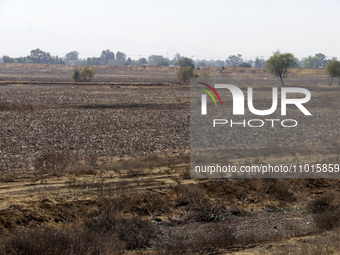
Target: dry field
(103, 167)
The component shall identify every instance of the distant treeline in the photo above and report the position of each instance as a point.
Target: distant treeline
(108, 57)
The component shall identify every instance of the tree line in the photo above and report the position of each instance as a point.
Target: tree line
(108, 57)
(278, 64)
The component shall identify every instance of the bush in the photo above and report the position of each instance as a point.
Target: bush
(322, 204)
(68, 242)
(219, 234)
(333, 69)
(244, 64)
(326, 209)
(76, 74)
(83, 74)
(281, 189)
(134, 232)
(205, 74)
(52, 161)
(327, 220)
(185, 73)
(163, 63)
(86, 73)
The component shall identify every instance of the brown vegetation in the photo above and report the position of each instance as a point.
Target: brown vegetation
(104, 168)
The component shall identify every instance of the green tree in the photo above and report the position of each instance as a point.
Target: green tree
(163, 63)
(323, 59)
(219, 63)
(86, 73)
(56, 60)
(41, 57)
(259, 63)
(185, 73)
(93, 61)
(120, 56)
(202, 64)
(234, 60)
(278, 64)
(155, 59)
(71, 57)
(7, 59)
(177, 57)
(21, 59)
(142, 61)
(333, 69)
(186, 62)
(312, 62)
(106, 56)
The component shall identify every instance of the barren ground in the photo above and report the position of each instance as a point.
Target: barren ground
(72, 153)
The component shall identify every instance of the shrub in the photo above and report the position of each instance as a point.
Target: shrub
(76, 74)
(221, 234)
(205, 74)
(83, 74)
(68, 242)
(185, 73)
(326, 209)
(281, 189)
(322, 204)
(327, 219)
(244, 64)
(52, 161)
(86, 73)
(163, 63)
(136, 233)
(333, 69)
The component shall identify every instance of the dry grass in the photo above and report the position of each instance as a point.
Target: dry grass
(56, 242)
(51, 161)
(16, 107)
(83, 170)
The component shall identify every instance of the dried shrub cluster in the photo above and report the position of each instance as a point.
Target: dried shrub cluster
(52, 161)
(198, 218)
(85, 73)
(134, 232)
(255, 190)
(55, 242)
(326, 211)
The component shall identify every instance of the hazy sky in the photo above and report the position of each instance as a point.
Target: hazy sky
(198, 29)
